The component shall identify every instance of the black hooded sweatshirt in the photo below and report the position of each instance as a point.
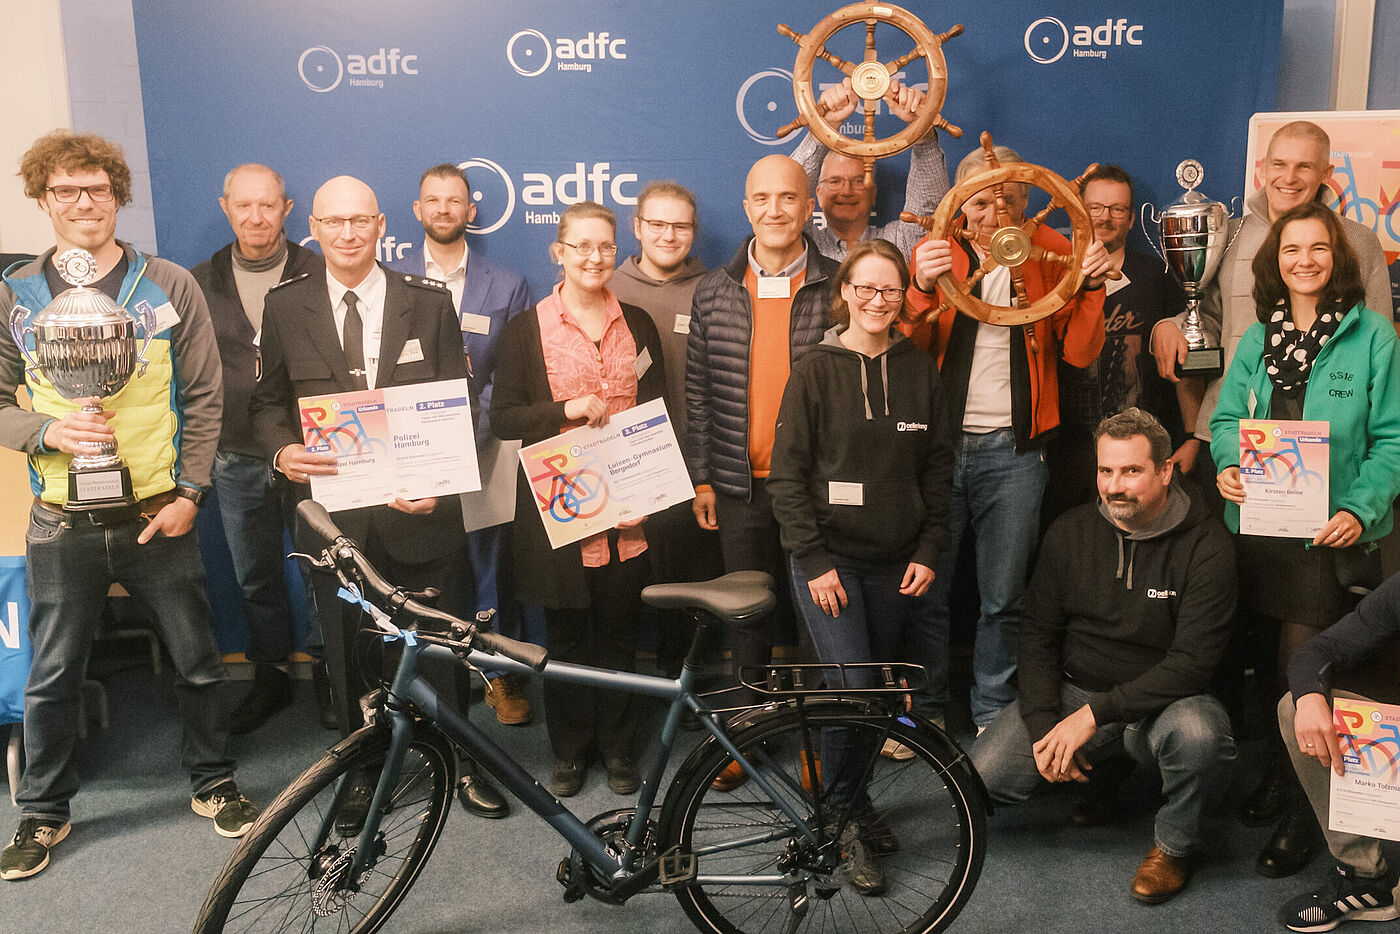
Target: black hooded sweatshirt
(1140, 619)
(874, 421)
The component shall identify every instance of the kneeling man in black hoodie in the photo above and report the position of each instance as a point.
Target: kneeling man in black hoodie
(1127, 618)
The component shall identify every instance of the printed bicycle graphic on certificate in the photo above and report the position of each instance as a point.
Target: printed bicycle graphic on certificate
(339, 431)
(1282, 465)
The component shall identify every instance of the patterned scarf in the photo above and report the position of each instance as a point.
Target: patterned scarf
(1289, 354)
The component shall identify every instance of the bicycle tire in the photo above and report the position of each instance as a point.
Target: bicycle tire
(933, 802)
(274, 882)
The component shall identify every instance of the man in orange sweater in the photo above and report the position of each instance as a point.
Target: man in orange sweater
(1003, 400)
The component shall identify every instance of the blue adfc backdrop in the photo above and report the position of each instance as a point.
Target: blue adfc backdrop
(548, 102)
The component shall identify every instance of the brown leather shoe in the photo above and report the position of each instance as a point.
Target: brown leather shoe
(1160, 877)
(730, 777)
(507, 697)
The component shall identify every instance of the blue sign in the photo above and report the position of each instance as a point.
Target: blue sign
(15, 653)
(549, 103)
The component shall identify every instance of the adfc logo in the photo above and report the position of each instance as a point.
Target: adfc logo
(764, 104)
(322, 69)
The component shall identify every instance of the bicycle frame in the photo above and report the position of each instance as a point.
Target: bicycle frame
(621, 871)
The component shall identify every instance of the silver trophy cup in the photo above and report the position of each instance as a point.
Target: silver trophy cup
(84, 344)
(1192, 235)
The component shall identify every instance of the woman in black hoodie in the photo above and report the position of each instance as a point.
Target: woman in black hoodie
(862, 475)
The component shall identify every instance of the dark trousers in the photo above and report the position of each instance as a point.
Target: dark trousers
(680, 551)
(750, 541)
(604, 636)
(354, 659)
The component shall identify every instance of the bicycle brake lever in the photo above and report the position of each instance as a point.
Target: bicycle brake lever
(322, 562)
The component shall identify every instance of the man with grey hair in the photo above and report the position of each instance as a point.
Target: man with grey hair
(839, 180)
(235, 282)
(1127, 619)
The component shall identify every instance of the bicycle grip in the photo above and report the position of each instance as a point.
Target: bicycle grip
(319, 521)
(526, 653)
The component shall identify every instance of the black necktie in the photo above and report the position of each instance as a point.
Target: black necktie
(355, 342)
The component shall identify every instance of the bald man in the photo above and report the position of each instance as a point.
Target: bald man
(750, 320)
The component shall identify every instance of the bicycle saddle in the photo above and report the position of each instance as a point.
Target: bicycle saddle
(733, 596)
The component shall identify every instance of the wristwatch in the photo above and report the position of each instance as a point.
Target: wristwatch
(191, 493)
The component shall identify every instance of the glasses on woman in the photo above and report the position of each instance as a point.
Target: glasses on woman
(868, 292)
(69, 194)
(585, 248)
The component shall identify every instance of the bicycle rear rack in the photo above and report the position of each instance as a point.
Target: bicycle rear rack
(802, 680)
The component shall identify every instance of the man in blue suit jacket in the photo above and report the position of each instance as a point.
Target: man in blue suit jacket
(485, 295)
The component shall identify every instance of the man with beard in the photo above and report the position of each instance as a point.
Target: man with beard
(1127, 619)
(484, 296)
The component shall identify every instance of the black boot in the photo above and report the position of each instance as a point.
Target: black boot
(271, 692)
(325, 702)
(1295, 842)
(1266, 803)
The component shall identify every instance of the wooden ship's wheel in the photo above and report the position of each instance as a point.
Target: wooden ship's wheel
(870, 79)
(1010, 245)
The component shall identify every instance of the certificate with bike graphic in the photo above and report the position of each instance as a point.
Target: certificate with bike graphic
(407, 441)
(1366, 800)
(1283, 465)
(588, 480)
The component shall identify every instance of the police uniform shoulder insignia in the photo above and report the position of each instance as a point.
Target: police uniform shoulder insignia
(286, 282)
(423, 282)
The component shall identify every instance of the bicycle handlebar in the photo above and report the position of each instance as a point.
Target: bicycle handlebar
(348, 558)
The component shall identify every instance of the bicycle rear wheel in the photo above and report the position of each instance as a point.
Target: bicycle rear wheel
(925, 817)
(280, 879)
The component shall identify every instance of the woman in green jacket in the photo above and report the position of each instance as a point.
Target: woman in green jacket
(1317, 353)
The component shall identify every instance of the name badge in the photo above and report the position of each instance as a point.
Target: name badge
(412, 351)
(682, 324)
(166, 315)
(642, 363)
(774, 287)
(840, 493)
(475, 324)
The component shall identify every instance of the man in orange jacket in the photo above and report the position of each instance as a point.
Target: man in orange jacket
(1003, 401)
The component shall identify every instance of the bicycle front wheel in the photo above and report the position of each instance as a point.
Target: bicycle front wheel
(922, 820)
(290, 872)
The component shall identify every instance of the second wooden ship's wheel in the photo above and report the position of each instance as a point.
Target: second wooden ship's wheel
(1010, 245)
(870, 79)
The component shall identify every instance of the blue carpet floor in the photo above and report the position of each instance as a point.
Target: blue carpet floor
(138, 860)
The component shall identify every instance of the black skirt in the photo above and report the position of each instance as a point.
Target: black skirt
(1292, 581)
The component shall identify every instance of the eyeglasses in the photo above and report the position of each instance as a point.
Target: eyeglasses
(359, 222)
(1119, 211)
(69, 194)
(660, 227)
(867, 292)
(855, 182)
(585, 248)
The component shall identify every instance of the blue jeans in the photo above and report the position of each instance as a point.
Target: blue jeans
(869, 629)
(1189, 742)
(252, 517)
(997, 492)
(71, 563)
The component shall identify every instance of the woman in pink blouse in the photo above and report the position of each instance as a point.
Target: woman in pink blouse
(579, 357)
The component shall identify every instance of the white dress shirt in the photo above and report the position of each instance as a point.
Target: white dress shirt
(369, 295)
(456, 277)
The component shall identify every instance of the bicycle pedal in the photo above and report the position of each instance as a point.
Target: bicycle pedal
(676, 868)
(564, 875)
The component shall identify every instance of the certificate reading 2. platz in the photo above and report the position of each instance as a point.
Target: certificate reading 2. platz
(409, 442)
(587, 480)
(1284, 468)
(1366, 800)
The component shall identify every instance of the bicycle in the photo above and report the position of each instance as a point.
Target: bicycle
(774, 854)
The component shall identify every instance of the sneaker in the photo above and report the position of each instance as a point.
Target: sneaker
(232, 813)
(1348, 897)
(876, 833)
(506, 696)
(894, 749)
(29, 853)
(858, 867)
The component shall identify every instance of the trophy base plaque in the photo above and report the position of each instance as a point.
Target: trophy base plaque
(106, 488)
(1205, 362)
